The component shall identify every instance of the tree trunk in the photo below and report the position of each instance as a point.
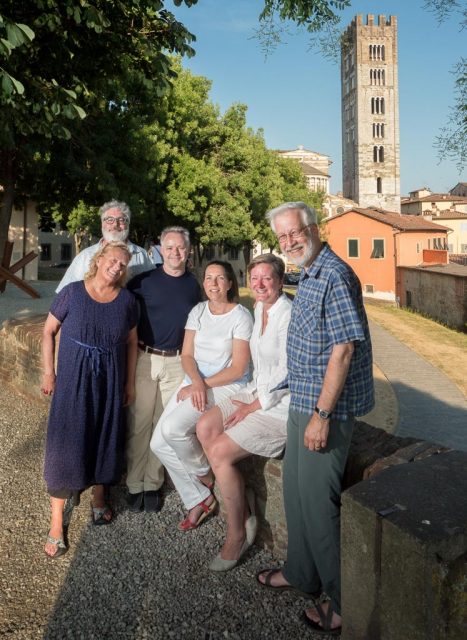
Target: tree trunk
(7, 197)
(247, 248)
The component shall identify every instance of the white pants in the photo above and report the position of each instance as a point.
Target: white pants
(175, 443)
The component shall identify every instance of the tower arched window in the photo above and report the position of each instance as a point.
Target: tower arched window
(375, 154)
(381, 154)
(382, 52)
(379, 185)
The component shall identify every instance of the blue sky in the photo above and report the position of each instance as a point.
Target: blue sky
(294, 94)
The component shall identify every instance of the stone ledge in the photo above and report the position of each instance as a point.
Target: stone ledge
(21, 355)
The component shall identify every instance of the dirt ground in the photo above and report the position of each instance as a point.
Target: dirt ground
(442, 347)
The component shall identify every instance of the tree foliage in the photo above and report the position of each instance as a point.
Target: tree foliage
(64, 61)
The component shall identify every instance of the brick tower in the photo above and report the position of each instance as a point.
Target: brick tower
(370, 113)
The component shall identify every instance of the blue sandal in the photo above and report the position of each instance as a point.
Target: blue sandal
(61, 547)
(98, 514)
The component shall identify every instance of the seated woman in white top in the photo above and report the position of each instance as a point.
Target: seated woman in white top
(254, 420)
(215, 358)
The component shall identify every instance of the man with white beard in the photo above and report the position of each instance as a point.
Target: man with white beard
(115, 219)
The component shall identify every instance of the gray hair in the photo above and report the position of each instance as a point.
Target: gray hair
(307, 214)
(115, 204)
(174, 229)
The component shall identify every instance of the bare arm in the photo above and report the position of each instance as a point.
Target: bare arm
(240, 359)
(51, 328)
(317, 430)
(132, 351)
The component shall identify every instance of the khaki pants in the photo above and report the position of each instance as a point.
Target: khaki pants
(157, 377)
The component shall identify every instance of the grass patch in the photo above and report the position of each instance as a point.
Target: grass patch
(443, 347)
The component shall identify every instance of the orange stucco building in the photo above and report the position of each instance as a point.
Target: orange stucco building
(375, 242)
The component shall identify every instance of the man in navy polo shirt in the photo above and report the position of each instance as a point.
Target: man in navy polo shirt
(329, 363)
(166, 296)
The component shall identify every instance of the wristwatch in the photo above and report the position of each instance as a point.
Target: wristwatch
(323, 414)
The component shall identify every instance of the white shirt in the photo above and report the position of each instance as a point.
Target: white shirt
(76, 271)
(214, 335)
(269, 356)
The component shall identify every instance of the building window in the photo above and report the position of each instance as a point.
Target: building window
(46, 252)
(353, 250)
(209, 252)
(377, 77)
(378, 154)
(379, 185)
(418, 247)
(378, 248)
(377, 106)
(65, 252)
(377, 52)
(463, 248)
(233, 253)
(378, 130)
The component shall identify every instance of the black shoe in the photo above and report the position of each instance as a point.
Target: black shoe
(152, 501)
(135, 501)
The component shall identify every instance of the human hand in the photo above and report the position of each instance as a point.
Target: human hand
(242, 411)
(48, 384)
(316, 433)
(129, 395)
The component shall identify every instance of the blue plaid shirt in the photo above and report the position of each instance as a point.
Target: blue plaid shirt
(328, 310)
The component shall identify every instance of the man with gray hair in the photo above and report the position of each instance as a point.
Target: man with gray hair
(329, 363)
(166, 296)
(115, 220)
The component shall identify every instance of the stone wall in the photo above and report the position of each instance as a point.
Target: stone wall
(20, 355)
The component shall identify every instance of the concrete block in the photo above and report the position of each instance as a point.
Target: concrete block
(404, 552)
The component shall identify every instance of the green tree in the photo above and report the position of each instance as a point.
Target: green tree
(64, 61)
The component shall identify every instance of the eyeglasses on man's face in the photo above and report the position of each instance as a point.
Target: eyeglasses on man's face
(293, 235)
(111, 220)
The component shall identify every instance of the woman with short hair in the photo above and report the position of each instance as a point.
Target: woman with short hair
(95, 379)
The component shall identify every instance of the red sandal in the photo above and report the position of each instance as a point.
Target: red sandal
(188, 525)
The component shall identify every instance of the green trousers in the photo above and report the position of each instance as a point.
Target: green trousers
(312, 489)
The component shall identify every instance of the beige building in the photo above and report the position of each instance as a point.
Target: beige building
(445, 209)
(315, 167)
(335, 204)
(56, 248)
(370, 113)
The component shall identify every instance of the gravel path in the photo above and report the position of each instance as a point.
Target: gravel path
(137, 579)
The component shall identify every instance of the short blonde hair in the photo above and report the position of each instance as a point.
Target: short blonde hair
(91, 272)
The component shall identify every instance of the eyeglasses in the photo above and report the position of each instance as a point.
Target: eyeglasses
(293, 235)
(112, 220)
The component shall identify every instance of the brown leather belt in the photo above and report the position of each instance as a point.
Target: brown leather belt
(170, 353)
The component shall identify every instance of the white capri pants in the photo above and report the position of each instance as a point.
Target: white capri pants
(175, 443)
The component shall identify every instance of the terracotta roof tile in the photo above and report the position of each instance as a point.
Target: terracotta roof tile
(396, 220)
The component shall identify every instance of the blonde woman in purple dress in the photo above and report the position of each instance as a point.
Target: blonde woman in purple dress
(94, 380)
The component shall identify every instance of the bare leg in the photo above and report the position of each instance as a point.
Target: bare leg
(209, 427)
(56, 524)
(223, 455)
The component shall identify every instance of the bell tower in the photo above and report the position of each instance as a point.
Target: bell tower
(370, 113)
